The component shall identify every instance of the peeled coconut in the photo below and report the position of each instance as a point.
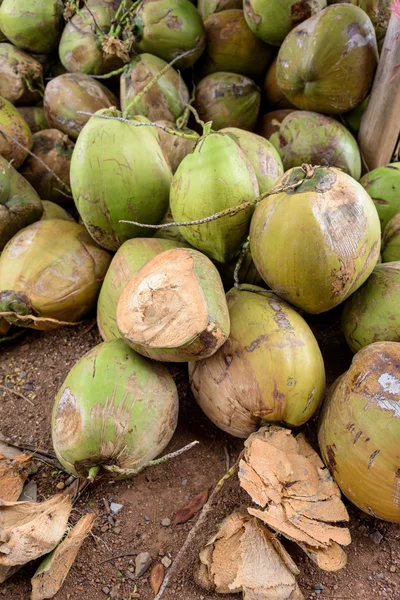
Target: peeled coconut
(270, 368)
(315, 244)
(115, 412)
(228, 100)
(372, 314)
(316, 58)
(383, 185)
(273, 93)
(34, 117)
(309, 138)
(54, 211)
(391, 240)
(12, 125)
(175, 148)
(55, 149)
(21, 79)
(51, 269)
(359, 430)
(174, 308)
(208, 7)
(67, 94)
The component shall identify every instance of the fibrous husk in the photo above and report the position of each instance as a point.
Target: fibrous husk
(21, 76)
(244, 556)
(296, 494)
(29, 530)
(51, 573)
(12, 125)
(13, 473)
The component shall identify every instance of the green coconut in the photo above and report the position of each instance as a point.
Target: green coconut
(315, 244)
(118, 172)
(54, 149)
(51, 210)
(391, 240)
(13, 127)
(216, 176)
(247, 271)
(383, 185)
(34, 117)
(309, 138)
(130, 257)
(21, 79)
(174, 308)
(208, 7)
(168, 28)
(352, 118)
(72, 93)
(166, 98)
(261, 154)
(316, 58)
(270, 122)
(270, 368)
(271, 21)
(174, 147)
(19, 203)
(115, 411)
(33, 25)
(273, 93)
(51, 269)
(232, 47)
(228, 100)
(371, 314)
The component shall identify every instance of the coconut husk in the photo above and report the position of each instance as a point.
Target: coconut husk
(296, 494)
(245, 557)
(13, 473)
(29, 530)
(52, 571)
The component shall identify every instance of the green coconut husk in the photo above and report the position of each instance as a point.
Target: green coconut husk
(275, 97)
(16, 136)
(383, 185)
(391, 240)
(51, 210)
(34, 117)
(352, 118)
(21, 79)
(209, 7)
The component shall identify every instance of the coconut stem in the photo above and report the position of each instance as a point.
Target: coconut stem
(92, 473)
(110, 74)
(183, 120)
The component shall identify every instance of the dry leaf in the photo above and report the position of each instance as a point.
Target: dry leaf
(13, 472)
(52, 571)
(157, 575)
(191, 508)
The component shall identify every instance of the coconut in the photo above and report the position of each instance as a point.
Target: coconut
(270, 368)
(391, 240)
(383, 185)
(34, 117)
(67, 94)
(309, 138)
(208, 7)
(271, 21)
(174, 308)
(54, 211)
(51, 269)
(55, 150)
(130, 257)
(19, 203)
(21, 76)
(174, 147)
(315, 244)
(166, 98)
(371, 314)
(261, 154)
(359, 431)
(316, 58)
(216, 176)
(12, 125)
(273, 93)
(126, 177)
(352, 119)
(247, 271)
(270, 122)
(33, 25)
(228, 100)
(379, 11)
(5, 327)
(233, 47)
(170, 233)
(115, 411)
(168, 28)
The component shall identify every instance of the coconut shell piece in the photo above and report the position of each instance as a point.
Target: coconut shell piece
(52, 571)
(297, 495)
(13, 473)
(245, 556)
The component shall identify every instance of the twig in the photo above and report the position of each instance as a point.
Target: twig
(22, 446)
(3, 387)
(118, 556)
(51, 462)
(227, 458)
(10, 313)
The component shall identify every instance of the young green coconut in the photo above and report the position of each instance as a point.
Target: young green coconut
(21, 76)
(115, 412)
(209, 7)
(15, 135)
(51, 210)
(383, 185)
(391, 240)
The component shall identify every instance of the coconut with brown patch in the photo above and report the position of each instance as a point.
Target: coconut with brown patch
(15, 136)
(21, 76)
(175, 147)
(34, 117)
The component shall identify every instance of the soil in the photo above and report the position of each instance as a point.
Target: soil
(36, 364)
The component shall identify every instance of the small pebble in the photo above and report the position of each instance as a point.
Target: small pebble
(60, 485)
(166, 522)
(147, 518)
(184, 482)
(111, 521)
(318, 588)
(392, 569)
(167, 562)
(106, 590)
(117, 530)
(115, 508)
(380, 576)
(376, 537)
(142, 563)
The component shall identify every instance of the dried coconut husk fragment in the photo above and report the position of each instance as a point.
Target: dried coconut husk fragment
(298, 498)
(245, 557)
(13, 473)
(52, 571)
(29, 530)
(6, 572)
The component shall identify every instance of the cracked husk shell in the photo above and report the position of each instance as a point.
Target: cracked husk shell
(13, 124)
(371, 314)
(175, 148)
(166, 98)
(359, 431)
(275, 97)
(391, 240)
(306, 137)
(119, 172)
(316, 244)
(174, 308)
(115, 410)
(383, 185)
(51, 269)
(228, 100)
(130, 257)
(34, 117)
(51, 210)
(216, 176)
(270, 368)
(14, 471)
(21, 76)
(316, 58)
(209, 7)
